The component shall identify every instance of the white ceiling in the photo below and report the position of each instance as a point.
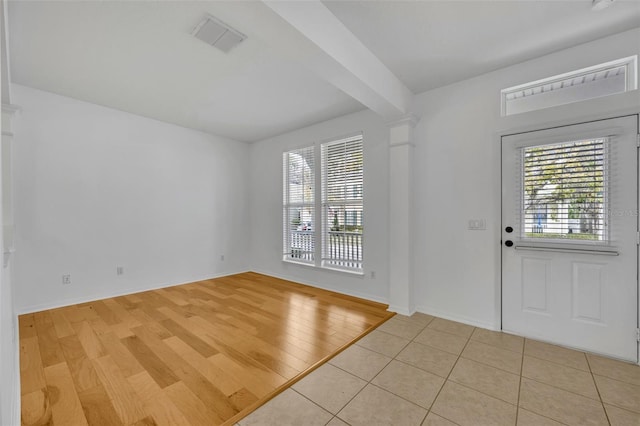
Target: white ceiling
(430, 44)
(139, 56)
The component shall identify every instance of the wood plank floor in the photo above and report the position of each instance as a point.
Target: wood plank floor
(204, 353)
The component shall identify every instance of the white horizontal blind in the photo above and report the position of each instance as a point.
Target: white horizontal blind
(342, 203)
(565, 191)
(299, 205)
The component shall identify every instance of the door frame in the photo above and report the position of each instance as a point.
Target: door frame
(544, 125)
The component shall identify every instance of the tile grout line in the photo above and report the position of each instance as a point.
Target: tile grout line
(524, 342)
(414, 341)
(459, 355)
(373, 350)
(556, 362)
(597, 389)
(368, 382)
(564, 390)
(496, 346)
(557, 387)
(314, 403)
(447, 332)
(394, 359)
(439, 349)
(579, 370)
(489, 365)
(613, 379)
(447, 379)
(448, 375)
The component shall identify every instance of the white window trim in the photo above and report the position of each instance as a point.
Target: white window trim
(568, 243)
(286, 219)
(318, 231)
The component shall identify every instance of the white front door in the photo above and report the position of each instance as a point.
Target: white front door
(569, 236)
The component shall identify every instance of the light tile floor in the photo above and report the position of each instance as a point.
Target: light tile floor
(422, 370)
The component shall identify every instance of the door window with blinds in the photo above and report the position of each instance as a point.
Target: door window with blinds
(564, 191)
(332, 192)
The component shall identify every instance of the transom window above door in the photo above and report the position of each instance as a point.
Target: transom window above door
(596, 81)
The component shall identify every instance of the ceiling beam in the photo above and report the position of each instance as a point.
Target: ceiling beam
(340, 58)
(307, 33)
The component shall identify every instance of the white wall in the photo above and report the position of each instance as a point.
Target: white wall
(266, 206)
(133, 188)
(457, 175)
(456, 178)
(96, 188)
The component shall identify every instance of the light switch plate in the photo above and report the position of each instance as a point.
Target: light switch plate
(477, 224)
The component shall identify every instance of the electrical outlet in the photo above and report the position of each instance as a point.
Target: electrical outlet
(119, 270)
(373, 275)
(222, 257)
(66, 279)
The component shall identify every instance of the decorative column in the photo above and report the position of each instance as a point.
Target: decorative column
(401, 151)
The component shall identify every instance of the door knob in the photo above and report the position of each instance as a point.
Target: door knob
(508, 243)
(508, 229)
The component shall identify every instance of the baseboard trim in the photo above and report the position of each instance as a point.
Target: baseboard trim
(328, 288)
(401, 310)
(106, 295)
(429, 310)
(132, 290)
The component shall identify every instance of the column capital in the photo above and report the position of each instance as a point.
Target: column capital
(401, 130)
(10, 109)
(9, 112)
(406, 120)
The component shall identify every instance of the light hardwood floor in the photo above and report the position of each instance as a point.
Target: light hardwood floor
(204, 353)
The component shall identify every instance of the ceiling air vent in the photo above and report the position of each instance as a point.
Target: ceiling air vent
(216, 33)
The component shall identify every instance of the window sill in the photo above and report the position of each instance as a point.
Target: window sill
(357, 273)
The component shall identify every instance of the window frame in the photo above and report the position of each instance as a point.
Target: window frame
(287, 205)
(320, 225)
(606, 242)
(344, 202)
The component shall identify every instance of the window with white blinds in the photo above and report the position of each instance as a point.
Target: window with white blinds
(565, 191)
(298, 205)
(342, 203)
(332, 192)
